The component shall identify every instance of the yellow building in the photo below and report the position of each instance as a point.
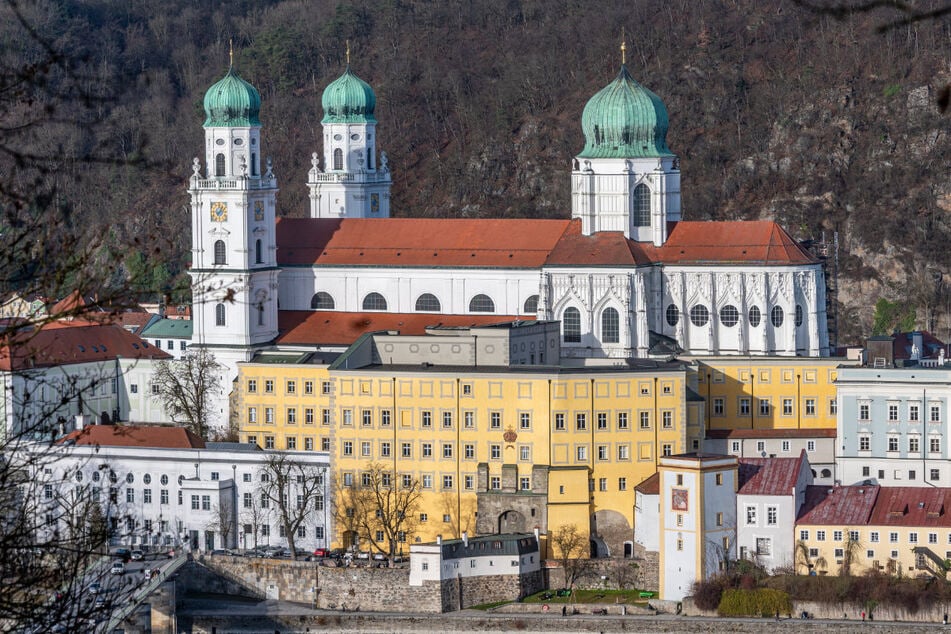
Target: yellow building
(497, 443)
(768, 392)
(894, 530)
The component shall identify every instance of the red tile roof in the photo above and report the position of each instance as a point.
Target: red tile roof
(912, 506)
(770, 476)
(650, 486)
(525, 243)
(306, 327)
(68, 342)
(742, 434)
(426, 242)
(135, 436)
(838, 506)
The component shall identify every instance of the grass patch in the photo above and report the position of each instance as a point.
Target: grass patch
(489, 606)
(621, 597)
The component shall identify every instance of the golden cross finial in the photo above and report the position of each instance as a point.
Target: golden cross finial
(231, 53)
(623, 47)
(348, 52)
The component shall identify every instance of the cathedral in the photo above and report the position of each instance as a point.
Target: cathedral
(626, 276)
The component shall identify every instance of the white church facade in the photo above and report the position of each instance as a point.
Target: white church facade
(622, 274)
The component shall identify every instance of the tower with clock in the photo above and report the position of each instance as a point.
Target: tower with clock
(354, 182)
(234, 261)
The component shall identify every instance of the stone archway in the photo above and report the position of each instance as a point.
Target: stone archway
(511, 522)
(609, 531)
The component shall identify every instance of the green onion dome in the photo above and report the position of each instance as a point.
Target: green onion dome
(348, 99)
(624, 120)
(232, 102)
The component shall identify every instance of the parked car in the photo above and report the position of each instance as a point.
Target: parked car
(321, 552)
(122, 553)
(94, 588)
(137, 555)
(148, 573)
(363, 555)
(118, 568)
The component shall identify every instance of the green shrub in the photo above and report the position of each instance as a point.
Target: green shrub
(761, 602)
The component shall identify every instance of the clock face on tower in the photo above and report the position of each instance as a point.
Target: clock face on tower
(258, 210)
(374, 203)
(219, 211)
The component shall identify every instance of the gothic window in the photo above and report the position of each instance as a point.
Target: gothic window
(729, 316)
(610, 326)
(338, 159)
(755, 316)
(531, 305)
(322, 301)
(220, 315)
(220, 252)
(374, 301)
(776, 316)
(699, 315)
(219, 164)
(428, 303)
(798, 315)
(258, 252)
(571, 322)
(261, 314)
(481, 304)
(642, 206)
(673, 315)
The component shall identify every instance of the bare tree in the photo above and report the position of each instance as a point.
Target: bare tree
(293, 489)
(222, 521)
(382, 508)
(254, 517)
(569, 545)
(186, 389)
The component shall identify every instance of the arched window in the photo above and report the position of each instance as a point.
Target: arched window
(673, 315)
(481, 304)
(258, 252)
(261, 314)
(699, 315)
(571, 325)
(220, 252)
(219, 164)
(374, 301)
(755, 316)
(531, 305)
(338, 159)
(322, 301)
(610, 326)
(642, 206)
(729, 316)
(220, 315)
(776, 316)
(427, 303)
(798, 315)
(254, 164)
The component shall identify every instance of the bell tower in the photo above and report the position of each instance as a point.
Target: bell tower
(234, 265)
(355, 181)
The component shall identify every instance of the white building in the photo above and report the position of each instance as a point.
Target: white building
(819, 445)
(485, 556)
(697, 519)
(163, 487)
(624, 267)
(772, 490)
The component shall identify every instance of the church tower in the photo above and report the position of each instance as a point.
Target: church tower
(625, 178)
(234, 264)
(355, 182)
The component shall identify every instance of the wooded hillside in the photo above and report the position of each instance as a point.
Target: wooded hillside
(776, 112)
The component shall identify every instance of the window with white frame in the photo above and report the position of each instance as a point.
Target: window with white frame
(751, 516)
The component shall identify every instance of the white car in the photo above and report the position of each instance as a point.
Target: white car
(118, 568)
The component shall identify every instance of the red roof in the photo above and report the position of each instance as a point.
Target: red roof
(760, 242)
(838, 506)
(770, 476)
(742, 434)
(307, 327)
(912, 506)
(650, 486)
(72, 304)
(135, 436)
(605, 248)
(428, 242)
(68, 342)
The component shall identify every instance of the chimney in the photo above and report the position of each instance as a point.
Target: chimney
(80, 422)
(465, 539)
(439, 540)
(917, 346)
(537, 535)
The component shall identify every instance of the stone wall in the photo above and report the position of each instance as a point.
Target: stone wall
(617, 574)
(845, 610)
(352, 588)
(162, 608)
